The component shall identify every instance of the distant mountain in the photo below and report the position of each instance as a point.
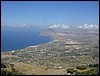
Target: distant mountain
(65, 29)
(54, 29)
(48, 32)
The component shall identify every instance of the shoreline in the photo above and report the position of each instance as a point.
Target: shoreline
(51, 37)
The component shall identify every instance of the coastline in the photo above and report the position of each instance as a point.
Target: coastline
(34, 44)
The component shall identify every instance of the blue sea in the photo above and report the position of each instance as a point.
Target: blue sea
(19, 38)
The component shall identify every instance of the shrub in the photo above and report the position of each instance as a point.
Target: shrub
(71, 70)
(93, 65)
(5, 72)
(12, 65)
(3, 65)
(14, 72)
(92, 72)
(81, 67)
(90, 65)
(89, 72)
(96, 65)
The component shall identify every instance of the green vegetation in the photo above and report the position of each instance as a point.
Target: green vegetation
(3, 65)
(93, 65)
(81, 67)
(12, 65)
(91, 69)
(6, 72)
(89, 72)
(12, 72)
(71, 70)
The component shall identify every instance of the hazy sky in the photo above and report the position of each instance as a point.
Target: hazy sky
(49, 12)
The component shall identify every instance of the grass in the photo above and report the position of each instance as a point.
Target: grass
(32, 69)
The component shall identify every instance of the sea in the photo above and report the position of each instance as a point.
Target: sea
(19, 38)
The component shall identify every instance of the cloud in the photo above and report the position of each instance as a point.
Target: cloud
(63, 26)
(16, 26)
(55, 26)
(86, 26)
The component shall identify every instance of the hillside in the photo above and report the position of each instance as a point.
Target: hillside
(70, 48)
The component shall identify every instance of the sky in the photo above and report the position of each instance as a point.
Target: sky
(49, 12)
